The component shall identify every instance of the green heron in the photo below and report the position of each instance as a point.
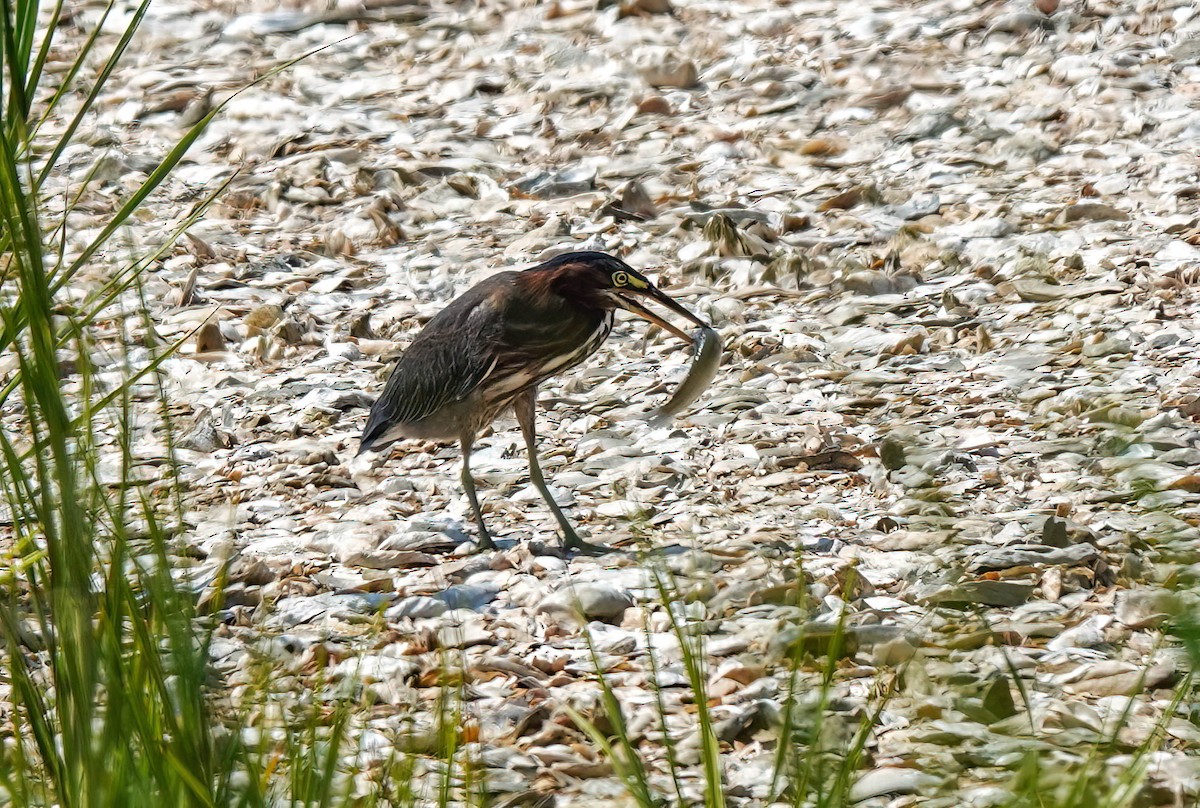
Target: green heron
(492, 346)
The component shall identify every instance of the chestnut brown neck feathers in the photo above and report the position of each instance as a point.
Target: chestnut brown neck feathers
(580, 278)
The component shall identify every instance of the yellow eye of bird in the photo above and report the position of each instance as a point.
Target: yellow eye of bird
(620, 278)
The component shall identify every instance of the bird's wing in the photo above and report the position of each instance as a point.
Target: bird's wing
(449, 359)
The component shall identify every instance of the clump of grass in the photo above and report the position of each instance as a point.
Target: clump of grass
(106, 666)
(111, 694)
(819, 755)
(811, 766)
(105, 656)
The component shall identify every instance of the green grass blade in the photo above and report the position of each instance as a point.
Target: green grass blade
(73, 70)
(624, 755)
(163, 170)
(673, 764)
(16, 63)
(43, 51)
(710, 749)
(97, 86)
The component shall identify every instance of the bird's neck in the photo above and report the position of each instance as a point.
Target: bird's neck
(551, 290)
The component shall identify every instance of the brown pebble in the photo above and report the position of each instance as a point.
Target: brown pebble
(844, 200)
(820, 146)
(1047, 7)
(790, 223)
(261, 318)
(722, 688)
(643, 8)
(929, 710)
(744, 674)
(209, 339)
(654, 105)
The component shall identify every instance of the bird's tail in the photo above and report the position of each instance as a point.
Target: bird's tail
(375, 434)
(372, 432)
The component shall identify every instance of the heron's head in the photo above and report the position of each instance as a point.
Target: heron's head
(603, 281)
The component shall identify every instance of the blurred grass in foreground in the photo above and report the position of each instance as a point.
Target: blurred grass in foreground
(108, 696)
(106, 670)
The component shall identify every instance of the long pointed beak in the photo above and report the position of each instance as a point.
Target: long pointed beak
(628, 301)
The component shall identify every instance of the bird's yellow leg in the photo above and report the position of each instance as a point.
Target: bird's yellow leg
(468, 482)
(524, 408)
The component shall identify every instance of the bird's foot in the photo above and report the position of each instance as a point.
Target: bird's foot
(573, 543)
(486, 543)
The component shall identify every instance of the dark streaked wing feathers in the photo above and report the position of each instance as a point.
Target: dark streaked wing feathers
(451, 356)
(497, 339)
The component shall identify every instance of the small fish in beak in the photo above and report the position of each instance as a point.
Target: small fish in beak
(706, 349)
(706, 358)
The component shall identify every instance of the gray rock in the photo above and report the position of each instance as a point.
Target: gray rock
(982, 228)
(296, 610)
(1087, 634)
(878, 782)
(1144, 608)
(204, 436)
(1186, 52)
(545, 185)
(671, 72)
(416, 607)
(894, 652)
(986, 797)
(929, 125)
(468, 596)
(1019, 22)
(464, 630)
(381, 667)
(1106, 346)
(594, 601)
(920, 205)
(987, 593)
(1032, 555)
(1111, 678)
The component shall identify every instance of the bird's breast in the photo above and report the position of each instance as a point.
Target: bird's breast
(552, 351)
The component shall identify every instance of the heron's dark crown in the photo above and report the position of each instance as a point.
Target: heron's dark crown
(584, 260)
(586, 277)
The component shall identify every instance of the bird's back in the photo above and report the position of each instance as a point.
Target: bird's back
(469, 362)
